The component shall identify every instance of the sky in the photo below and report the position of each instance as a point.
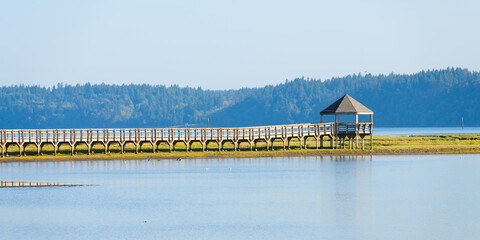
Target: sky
(230, 44)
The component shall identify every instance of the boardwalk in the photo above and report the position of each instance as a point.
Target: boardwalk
(336, 133)
(17, 184)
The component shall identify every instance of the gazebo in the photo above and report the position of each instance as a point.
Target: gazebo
(346, 105)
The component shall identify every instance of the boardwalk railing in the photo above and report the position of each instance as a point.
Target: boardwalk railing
(155, 136)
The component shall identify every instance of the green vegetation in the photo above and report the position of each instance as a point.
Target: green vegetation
(465, 143)
(458, 143)
(428, 98)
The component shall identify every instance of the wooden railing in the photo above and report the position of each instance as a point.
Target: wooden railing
(178, 134)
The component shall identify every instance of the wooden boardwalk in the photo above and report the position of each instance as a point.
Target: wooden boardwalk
(335, 132)
(17, 184)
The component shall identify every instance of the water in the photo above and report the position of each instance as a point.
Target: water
(362, 197)
(406, 131)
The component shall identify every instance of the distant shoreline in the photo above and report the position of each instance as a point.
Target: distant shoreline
(383, 145)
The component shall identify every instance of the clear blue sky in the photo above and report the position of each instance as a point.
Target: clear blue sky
(230, 44)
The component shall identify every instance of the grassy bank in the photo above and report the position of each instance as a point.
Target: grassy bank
(428, 144)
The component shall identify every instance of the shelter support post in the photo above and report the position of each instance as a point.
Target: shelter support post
(371, 141)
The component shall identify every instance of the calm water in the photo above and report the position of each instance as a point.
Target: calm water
(379, 197)
(405, 131)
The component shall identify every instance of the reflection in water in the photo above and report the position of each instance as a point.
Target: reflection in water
(352, 178)
(322, 197)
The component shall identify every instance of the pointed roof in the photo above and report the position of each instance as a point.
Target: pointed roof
(346, 105)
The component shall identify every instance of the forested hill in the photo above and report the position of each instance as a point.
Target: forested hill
(427, 98)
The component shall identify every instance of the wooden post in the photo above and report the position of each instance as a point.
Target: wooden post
(371, 131)
(336, 130)
(371, 137)
(371, 142)
(356, 130)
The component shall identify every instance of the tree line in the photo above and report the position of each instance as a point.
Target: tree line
(427, 98)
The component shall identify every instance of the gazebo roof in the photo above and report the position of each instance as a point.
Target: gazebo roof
(346, 105)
